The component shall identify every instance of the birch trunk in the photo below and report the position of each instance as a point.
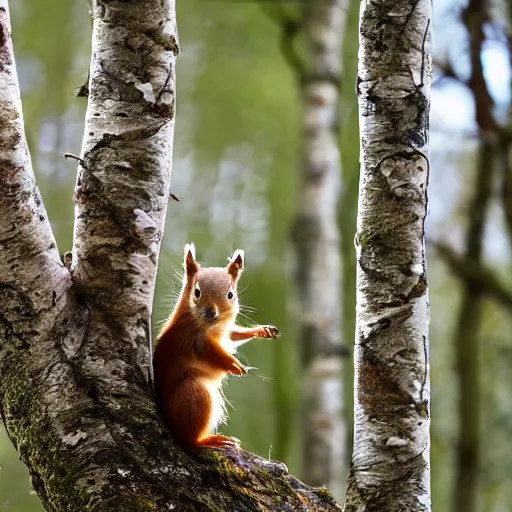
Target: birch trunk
(318, 249)
(75, 397)
(390, 460)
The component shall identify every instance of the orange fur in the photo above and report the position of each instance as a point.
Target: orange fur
(194, 353)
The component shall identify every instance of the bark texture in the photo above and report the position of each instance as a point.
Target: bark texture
(75, 396)
(317, 241)
(390, 470)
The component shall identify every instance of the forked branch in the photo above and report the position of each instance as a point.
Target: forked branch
(74, 343)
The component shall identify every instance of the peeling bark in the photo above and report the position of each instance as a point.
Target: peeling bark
(75, 397)
(317, 240)
(122, 186)
(390, 463)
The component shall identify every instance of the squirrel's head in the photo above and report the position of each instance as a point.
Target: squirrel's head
(213, 290)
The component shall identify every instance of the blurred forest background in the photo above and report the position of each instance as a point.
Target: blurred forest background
(237, 164)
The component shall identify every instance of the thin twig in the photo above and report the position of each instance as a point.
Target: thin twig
(75, 157)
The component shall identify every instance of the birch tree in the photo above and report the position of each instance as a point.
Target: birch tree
(317, 239)
(316, 233)
(75, 393)
(390, 463)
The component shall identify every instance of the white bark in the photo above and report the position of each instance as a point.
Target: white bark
(392, 413)
(318, 249)
(26, 241)
(123, 180)
(126, 153)
(74, 392)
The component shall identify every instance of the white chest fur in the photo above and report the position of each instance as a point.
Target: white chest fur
(218, 401)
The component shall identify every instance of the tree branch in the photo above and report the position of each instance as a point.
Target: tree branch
(290, 28)
(33, 279)
(475, 273)
(27, 243)
(123, 187)
(474, 16)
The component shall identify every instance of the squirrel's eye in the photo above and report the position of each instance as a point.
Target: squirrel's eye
(197, 293)
(230, 295)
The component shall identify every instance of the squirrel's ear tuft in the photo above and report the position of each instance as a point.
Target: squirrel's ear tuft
(190, 264)
(236, 264)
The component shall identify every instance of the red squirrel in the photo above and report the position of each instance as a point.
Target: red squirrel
(194, 352)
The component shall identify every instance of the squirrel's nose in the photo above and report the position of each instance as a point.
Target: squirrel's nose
(211, 313)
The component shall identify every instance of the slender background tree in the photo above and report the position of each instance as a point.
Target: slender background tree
(467, 335)
(317, 240)
(320, 25)
(390, 458)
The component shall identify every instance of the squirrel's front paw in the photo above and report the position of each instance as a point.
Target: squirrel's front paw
(269, 331)
(237, 369)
